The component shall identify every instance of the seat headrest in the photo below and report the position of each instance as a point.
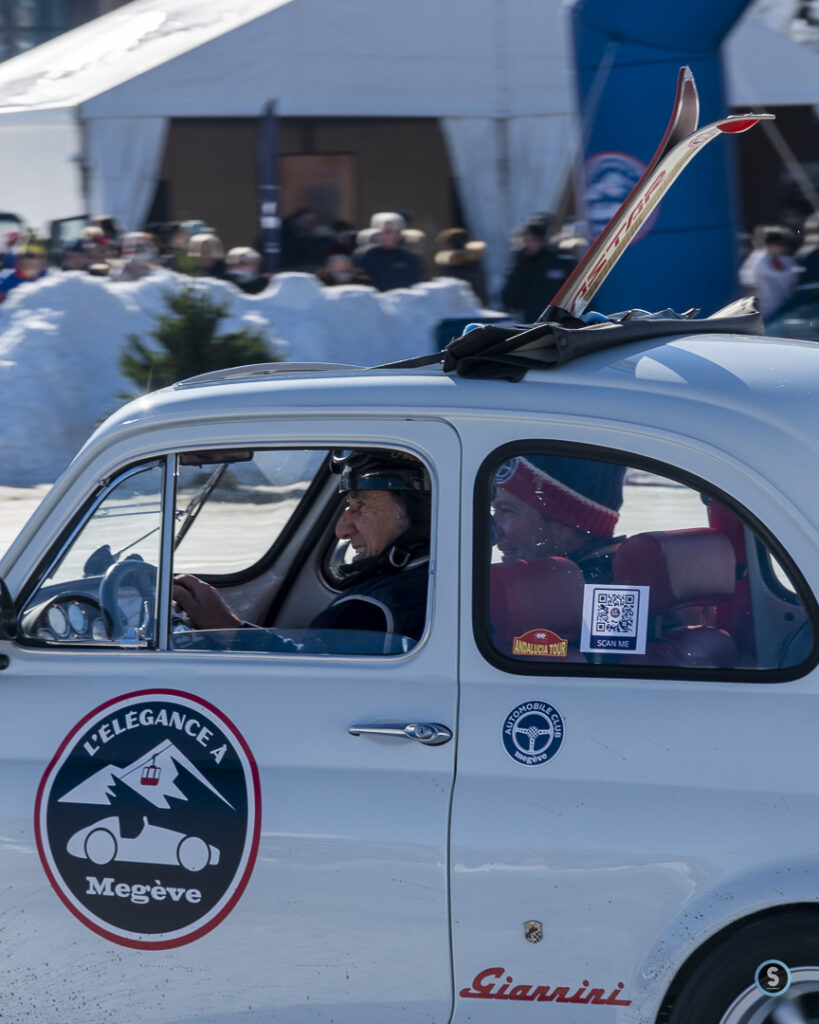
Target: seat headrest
(682, 567)
(546, 593)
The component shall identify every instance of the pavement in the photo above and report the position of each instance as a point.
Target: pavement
(16, 506)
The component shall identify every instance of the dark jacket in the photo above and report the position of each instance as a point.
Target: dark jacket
(390, 268)
(533, 281)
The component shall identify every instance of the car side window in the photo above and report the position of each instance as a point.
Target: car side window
(101, 587)
(590, 562)
(252, 569)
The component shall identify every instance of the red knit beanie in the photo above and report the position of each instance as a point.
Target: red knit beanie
(581, 493)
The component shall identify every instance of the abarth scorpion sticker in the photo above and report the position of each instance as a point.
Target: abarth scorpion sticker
(533, 732)
(148, 819)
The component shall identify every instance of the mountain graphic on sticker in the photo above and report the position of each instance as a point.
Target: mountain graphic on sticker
(153, 776)
(540, 643)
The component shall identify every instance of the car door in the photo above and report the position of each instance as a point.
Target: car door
(212, 839)
(633, 750)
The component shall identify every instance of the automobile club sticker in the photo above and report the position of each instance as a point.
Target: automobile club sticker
(533, 732)
(148, 817)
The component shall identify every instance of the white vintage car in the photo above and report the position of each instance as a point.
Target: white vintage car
(584, 791)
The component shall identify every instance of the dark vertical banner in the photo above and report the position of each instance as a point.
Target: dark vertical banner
(268, 177)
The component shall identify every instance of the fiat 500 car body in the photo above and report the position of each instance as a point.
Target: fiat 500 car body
(633, 826)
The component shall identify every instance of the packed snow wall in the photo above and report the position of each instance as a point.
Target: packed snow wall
(61, 339)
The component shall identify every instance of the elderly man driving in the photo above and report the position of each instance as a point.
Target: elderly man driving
(385, 519)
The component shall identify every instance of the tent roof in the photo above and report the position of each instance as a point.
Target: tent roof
(347, 57)
(426, 58)
(764, 68)
(117, 47)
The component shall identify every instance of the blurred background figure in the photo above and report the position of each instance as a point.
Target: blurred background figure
(76, 255)
(770, 272)
(139, 257)
(807, 256)
(457, 256)
(572, 240)
(99, 249)
(107, 225)
(538, 270)
(304, 241)
(207, 254)
(30, 264)
(10, 239)
(243, 266)
(339, 269)
(387, 261)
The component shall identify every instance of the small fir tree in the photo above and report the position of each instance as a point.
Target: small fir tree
(187, 343)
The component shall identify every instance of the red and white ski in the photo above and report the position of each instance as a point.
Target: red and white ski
(680, 143)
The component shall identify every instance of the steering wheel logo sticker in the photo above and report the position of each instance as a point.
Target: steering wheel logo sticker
(148, 818)
(533, 732)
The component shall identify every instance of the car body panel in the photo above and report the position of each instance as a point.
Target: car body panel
(388, 885)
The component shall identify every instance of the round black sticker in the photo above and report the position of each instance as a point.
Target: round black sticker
(148, 818)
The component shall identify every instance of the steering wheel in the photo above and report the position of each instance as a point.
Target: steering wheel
(142, 576)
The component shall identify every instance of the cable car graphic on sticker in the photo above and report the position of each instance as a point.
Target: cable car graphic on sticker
(150, 774)
(148, 817)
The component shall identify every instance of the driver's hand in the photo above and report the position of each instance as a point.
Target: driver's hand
(203, 604)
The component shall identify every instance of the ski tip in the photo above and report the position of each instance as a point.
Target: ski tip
(742, 122)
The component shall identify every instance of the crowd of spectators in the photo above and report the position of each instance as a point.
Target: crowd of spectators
(389, 253)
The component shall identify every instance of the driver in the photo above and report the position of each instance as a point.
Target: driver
(386, 520)
(551, 505)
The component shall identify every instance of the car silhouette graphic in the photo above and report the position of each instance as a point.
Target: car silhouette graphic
(102, 842)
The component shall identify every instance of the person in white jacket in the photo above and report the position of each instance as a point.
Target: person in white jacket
(770, 272)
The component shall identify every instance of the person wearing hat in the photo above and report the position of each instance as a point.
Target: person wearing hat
(538, 271)
(387, 261)
(549, 505)
(30, 264)
(383, 589)
(457, 256)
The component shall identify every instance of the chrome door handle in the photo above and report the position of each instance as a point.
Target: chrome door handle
(430, 733)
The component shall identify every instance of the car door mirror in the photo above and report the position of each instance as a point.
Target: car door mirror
(8, 614)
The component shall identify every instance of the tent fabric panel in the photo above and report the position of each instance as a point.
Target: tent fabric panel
(123, 158)
(499, 194)
(41, 168)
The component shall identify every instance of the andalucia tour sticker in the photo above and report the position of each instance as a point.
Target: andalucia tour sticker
(147, 819)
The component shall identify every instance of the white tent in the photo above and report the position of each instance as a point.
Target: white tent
(84, 117)
(496, 72)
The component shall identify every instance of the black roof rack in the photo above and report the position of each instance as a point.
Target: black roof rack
(506, 352)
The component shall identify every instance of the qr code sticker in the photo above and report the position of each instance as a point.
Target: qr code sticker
(615, 619)
(615, 612)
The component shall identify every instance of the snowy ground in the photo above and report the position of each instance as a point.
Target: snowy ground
(16, 505)
(61, 337)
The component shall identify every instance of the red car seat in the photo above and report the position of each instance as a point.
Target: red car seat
(689, 573)
(532, 603)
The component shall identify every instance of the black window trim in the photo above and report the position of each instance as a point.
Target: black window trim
(480, 568)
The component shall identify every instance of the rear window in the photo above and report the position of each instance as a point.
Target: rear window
(591, 562)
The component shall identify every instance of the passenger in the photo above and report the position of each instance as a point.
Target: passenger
(547, 505)
(386, 522)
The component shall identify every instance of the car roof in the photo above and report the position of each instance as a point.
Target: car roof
(703, 386)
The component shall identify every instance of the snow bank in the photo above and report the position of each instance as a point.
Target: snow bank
(60, 339)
